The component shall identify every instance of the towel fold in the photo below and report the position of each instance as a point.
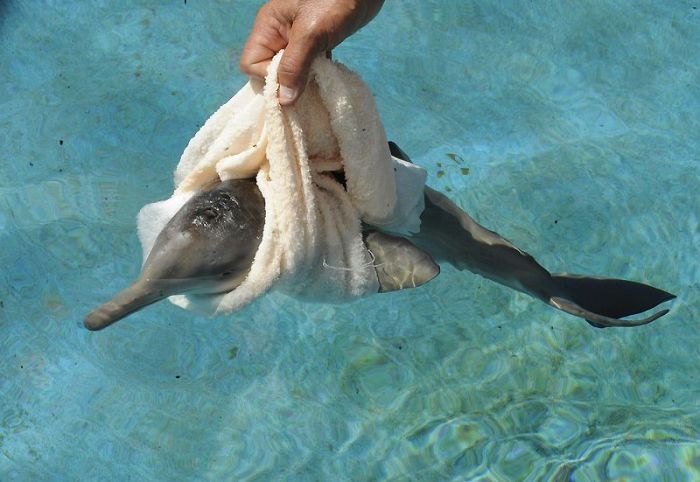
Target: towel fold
(312, 243)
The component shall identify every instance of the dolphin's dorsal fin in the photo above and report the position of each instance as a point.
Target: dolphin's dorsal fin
(398, 153)
(398, 263)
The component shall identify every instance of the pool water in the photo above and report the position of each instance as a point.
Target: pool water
(572, 128)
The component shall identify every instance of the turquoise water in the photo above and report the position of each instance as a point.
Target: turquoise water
(572, 128)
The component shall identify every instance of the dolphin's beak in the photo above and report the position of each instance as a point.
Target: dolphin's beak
(137, 296)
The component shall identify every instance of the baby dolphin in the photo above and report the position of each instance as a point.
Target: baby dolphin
(207, 247)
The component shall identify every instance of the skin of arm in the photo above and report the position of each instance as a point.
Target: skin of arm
(305, 29)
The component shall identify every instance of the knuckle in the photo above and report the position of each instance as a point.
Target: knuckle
(265, 10)
(290, 66)
(243, 64)
(312, 37)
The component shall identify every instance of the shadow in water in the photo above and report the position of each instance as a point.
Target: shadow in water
(4, 8)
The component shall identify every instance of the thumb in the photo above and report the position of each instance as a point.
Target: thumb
(296, 61)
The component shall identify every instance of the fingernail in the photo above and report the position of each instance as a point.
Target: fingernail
(287, 94)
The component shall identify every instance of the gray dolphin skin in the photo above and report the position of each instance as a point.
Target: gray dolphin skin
(209, 246)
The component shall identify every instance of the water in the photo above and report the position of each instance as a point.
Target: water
(572, 128)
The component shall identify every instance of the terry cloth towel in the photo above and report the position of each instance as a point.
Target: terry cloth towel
(312, 243)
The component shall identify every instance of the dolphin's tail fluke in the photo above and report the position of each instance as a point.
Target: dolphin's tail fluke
(603, 301)
(133, 298)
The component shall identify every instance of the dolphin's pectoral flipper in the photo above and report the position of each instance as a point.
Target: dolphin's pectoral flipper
(603, 301)
(398, 263)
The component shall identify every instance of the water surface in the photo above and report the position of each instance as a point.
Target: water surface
(572, 128)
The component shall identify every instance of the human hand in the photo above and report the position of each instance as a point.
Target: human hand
(304, 28)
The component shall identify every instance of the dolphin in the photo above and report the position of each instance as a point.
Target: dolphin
(209, 245)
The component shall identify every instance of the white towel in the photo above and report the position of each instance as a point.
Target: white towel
(312, 244)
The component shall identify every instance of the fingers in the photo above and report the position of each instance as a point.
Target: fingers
(305, 43)
(275, 29)
(269, 36)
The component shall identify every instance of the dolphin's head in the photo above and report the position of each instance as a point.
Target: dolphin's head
(207, 247)
(211, 241)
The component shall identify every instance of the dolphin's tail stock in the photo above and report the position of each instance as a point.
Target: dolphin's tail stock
(450, 235)
(133, 298)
